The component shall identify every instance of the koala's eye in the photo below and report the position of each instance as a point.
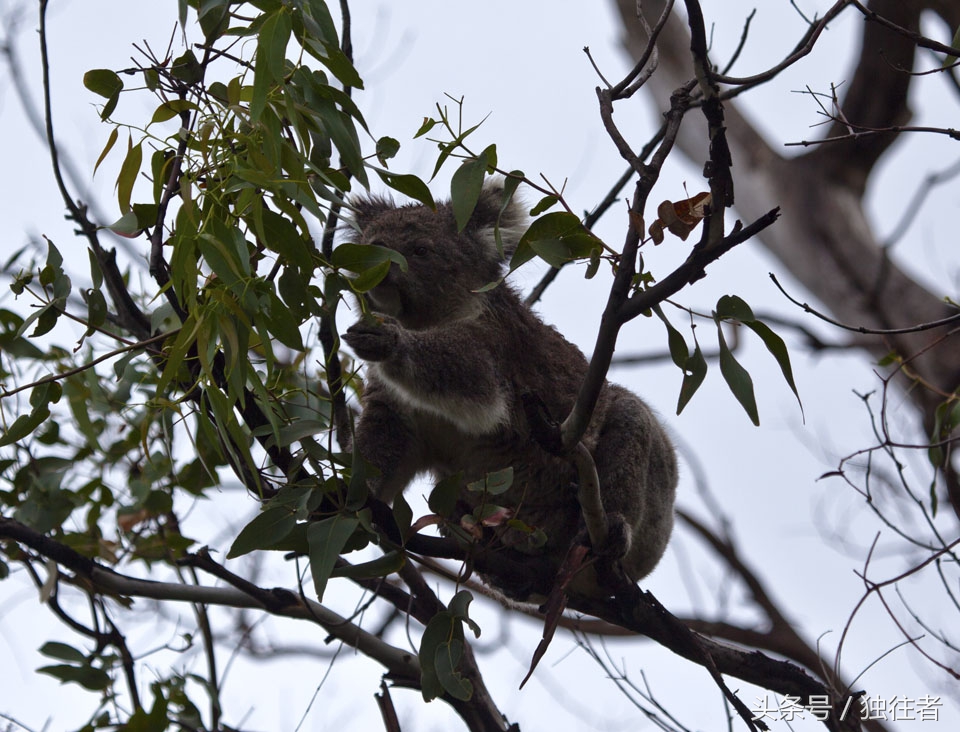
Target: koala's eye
(420, 250)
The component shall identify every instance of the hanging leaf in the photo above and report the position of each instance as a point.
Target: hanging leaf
(327, 539)
(694, 372)
(731, 307)
(129, 171)
(738, 379)
(778, 349)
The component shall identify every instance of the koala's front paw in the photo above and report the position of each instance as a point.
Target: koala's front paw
(374, 337)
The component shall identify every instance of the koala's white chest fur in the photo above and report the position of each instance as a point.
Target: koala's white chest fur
(470, 416)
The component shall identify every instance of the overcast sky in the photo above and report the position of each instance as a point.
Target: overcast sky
(522, 64)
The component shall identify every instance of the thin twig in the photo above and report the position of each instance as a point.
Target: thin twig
(861, 329)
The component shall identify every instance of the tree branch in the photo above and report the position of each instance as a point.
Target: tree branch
(102, 580)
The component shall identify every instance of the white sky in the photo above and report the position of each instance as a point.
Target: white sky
(522, 63)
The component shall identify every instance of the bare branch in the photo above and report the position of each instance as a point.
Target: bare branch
(286, 604)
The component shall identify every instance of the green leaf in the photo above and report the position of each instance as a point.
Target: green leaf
(94, 679)
(543, 204)
(360, 473)
(890, 359)
(129, 171)
(111, 140)
(105, 83)
(438, 632)
(176, 353)
(187, 68)
(443, 497)
(146, 214)
(327, 539)
(267, 528)
(731, 307)
(447, 661)
(342, 132)
(557, 252)
(298, 430)
(54, 264)
(428, 124)
(361, 257)
(367, 280)
(126, 226)
(280, 235)
(467, 184)
(62, 652)
(269, 65)
(225, 252)
(96, 309)
(679, 352)
(46, 393)
(387, 147)
(282, 323)
(214, 18)
(499, 481)
(738, 379)
(459, 607)
(408, 185)
(441, 651)
(555, 225)
(171, 108)
(402, 514)
(778, 349)
(326, 30)
(694, 372)
(46, 318)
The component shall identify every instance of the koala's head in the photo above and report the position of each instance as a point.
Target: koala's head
(444, 267)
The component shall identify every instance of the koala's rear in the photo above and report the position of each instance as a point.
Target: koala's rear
(447, 368)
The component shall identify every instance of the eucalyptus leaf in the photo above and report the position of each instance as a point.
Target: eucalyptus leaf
(327, 539)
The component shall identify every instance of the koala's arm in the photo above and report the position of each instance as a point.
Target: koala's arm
(448, 371)
(385, 440)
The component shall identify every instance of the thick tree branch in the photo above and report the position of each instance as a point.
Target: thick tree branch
(647, 616)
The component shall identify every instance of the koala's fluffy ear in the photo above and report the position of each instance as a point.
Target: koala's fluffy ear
(513, 220)
(367, 208)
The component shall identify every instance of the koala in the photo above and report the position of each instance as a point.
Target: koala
(449, 363)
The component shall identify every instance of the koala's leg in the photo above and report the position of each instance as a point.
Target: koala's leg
(636, 465)
(386, 441)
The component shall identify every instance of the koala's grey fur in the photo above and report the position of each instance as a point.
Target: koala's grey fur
(447, 367)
